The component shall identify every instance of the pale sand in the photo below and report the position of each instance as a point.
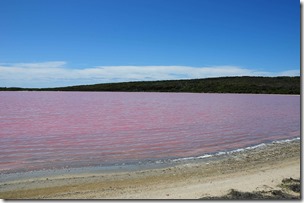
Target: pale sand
(253, 170)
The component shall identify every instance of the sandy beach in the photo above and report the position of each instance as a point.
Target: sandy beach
(258, 169)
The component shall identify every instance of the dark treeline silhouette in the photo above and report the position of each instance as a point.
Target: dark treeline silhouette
(244, 84)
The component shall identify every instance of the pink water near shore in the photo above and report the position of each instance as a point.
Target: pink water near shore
(73, 129)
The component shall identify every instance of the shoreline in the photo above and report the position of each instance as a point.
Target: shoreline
(194, 179)
(236, 93)
(8, 175)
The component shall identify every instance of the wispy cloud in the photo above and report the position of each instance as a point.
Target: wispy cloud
(55, 73)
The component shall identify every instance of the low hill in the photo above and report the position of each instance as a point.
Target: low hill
(245, 84)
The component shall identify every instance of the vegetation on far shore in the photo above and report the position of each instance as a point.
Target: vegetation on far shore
(244, 84)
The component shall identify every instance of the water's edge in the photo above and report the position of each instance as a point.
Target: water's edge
(141, 165)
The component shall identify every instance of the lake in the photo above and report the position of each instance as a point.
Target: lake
(53, 130)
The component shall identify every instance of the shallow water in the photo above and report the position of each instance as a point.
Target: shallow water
(50, 130)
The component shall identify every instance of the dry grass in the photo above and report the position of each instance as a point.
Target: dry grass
(290, 189)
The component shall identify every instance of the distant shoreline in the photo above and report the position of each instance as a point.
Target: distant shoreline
(242, 84)
(151, 92)
(255, 168)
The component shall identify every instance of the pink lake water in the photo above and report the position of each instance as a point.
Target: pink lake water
(50, 130)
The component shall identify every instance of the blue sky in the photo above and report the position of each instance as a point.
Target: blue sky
(47, 43)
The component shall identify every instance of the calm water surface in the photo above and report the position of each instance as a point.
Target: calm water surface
(74, 129)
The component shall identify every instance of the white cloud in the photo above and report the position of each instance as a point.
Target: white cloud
(49, 64)
(290, 73)
(54, 73)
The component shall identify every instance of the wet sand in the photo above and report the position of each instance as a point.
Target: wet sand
(253, 170)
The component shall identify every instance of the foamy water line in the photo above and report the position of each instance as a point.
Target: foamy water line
(220, 153)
